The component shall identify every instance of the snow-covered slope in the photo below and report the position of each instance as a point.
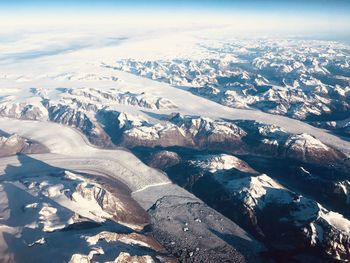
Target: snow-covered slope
(199, 97)
(262, 201)
(297, 78)
(39, 213)
(341, 126)
(241, 137)
(93, 194)
(321, 228)
(215, 163)
(68, 143)
(80, 81)
(13, 144)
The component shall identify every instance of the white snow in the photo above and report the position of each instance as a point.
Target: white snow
(336, 220)
(80, 69)
(259, 190)
(306, 141)
(74, 70)
(214, 163)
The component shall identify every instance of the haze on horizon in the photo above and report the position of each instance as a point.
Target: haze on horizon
(323, 17)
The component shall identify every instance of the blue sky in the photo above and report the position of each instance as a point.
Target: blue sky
(311, 15)
(311, 6)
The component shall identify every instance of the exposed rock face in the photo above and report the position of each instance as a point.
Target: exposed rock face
(164, 159)
(340, 126)
(193, 232)
(143, 99)
(189, 131)
(273, 141)
(126, 258)
(78, 108)
(287, 77)
(82, 108)
(331, 231)
(78, 258)
(107, 201)
(306, 148)
(132, 238)
(29, 110)
(342, 190)
(123, 257)
(80, 120)
(69, 217)
(206, 132)
(289, 199)
(162, 135)
(215, 163)
(285, 220)
(13, 144)
(266, 198)
(239, 137)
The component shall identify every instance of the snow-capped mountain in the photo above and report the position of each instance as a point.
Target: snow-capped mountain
(173, 147)
(321, 228)
(13, 144)
(300, 79)
(299, 223)
(68, 208)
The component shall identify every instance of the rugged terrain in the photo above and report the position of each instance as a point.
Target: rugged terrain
(190, 150)
(307, 80)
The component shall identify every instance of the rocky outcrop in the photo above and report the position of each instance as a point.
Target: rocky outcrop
(339, 126)
(193, 232)
(281, 77)
(342, 191)
(273, 204)
(126, 257)
(217, 163)
(307, 148)
(63, 216)
(164, 159)
(186, 131)
(81, 120)
(24, 110)
(144, 100)
(13, 144)
(270, 140)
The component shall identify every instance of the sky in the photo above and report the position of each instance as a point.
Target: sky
(337, 6)
(327, 16)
